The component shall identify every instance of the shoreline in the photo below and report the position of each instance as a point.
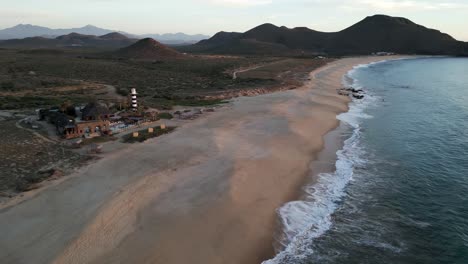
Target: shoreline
(209, 190)
(325, 165)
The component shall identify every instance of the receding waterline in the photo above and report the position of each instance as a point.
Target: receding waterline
(304, 220)
(400, 176)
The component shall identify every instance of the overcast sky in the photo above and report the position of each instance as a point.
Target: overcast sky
(211, 16)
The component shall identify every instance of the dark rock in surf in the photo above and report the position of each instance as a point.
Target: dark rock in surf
(358, 96)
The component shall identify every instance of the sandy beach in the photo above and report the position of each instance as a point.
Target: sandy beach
(207, 193)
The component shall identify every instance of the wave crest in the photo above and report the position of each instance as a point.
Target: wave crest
(305, 220)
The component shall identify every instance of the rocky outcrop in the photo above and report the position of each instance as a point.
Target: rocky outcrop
(354, 93)
(148, 49)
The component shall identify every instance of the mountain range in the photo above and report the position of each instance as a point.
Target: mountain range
(26, 31)
(378, 33)
(113, 40)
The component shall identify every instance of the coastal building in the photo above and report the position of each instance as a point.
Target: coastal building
(95, 111)
(94, 121)
(94, 128)
(64, 125)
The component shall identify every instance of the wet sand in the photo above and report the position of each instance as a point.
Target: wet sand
(206, 193)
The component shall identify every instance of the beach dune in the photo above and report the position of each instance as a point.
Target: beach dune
(207, 193)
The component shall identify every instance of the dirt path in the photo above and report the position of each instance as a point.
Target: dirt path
(234, 74)
(35, 133)
(112, 93)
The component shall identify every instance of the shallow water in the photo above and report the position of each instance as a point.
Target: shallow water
(400, 191)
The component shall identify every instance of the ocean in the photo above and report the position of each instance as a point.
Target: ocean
(400, 190)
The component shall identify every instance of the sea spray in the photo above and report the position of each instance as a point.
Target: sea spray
(305, 220)
(405, 200)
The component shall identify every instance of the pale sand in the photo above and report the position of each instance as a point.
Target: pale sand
(206, 193)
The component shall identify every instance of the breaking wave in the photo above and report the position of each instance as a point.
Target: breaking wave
(304, 220)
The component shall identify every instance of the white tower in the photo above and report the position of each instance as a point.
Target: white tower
(133, 95)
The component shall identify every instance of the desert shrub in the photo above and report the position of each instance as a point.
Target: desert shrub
(144, 135)
(123, 91)
(11, 102)
(7, 85)
(28, 183)
(21, 185)
(165, 116)
(199, 102)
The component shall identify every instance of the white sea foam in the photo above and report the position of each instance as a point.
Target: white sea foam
(307, 219)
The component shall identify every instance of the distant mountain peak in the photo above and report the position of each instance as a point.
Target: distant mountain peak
(75, 35)
(148, 41)
(25, 26)
(372, 34)
(379, 16)
(387, 18)
(115, 36)
(90, 26)
(266, 26)
(302, 29)
(148, 48)
(21, 31)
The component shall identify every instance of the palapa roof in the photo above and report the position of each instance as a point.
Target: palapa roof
(94, 110)
(62, 120)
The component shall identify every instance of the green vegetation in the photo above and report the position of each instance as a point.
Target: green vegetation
(165, 116)
(159, 83)
(97, 140)
(12, 102)
(29, 182)
(123, 91)
(143, 135)
(195, 102)
(7, 85)
(169, 103)
(75, 75)
(26, 159)
(20, 102)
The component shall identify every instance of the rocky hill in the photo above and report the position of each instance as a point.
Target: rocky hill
(147, 48)
(114, 36)
(373, 34)
(400, 35)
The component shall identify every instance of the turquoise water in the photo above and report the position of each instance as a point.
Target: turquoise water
(400, 192)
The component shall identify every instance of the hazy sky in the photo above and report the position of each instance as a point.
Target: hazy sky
(211, 16)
